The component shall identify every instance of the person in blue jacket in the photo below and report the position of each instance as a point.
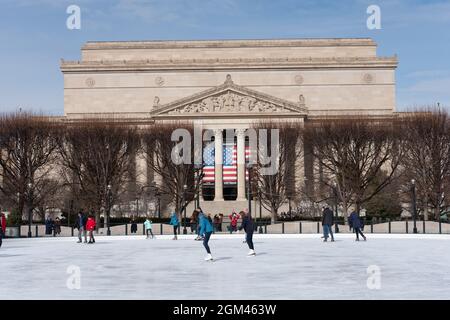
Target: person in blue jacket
(354, 221)
(206, 229)
(175, 223)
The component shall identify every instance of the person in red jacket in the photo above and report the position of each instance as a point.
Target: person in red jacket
(2, 228)
(234, 217)
(90, 226)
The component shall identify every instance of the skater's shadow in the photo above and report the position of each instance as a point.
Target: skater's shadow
(223, 258)
(9, 255)
(261, 253)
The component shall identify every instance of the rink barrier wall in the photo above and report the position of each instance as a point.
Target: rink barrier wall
(291, 227)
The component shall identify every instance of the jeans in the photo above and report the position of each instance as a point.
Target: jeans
(249, 239)
(175, 228)
(81, 232)
(359, 232)
(206, 240)
(91, 236)
(1, 236)
(327, 229)
(149, 230)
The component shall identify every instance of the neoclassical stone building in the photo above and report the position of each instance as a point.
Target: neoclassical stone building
(228, 84)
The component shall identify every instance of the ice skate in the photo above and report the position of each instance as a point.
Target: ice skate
(251, 253)
(208, 257)
(175, 238)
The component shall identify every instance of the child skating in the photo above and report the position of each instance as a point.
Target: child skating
(206, 229)
(148, 227)
(90, 226)
(249, 227)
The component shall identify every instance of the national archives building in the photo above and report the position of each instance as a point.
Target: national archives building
(228, 85)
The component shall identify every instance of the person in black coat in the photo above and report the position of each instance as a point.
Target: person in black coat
(80, 224)
(354, 221)
(249, 227)
(327, 223)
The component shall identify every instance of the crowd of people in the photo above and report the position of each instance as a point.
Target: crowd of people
(200, 223)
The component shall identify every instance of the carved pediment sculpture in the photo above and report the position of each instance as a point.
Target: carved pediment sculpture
(230, 98)
(228, 102)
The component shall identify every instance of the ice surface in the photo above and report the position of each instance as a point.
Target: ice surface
(286, 267)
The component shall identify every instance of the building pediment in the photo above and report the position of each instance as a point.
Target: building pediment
(229, 99)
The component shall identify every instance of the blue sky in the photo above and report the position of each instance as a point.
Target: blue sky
(34, 37)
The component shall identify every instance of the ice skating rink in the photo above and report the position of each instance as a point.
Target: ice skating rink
(286, 267)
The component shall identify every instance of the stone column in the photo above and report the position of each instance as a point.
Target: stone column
(240, 164)
(218, 170)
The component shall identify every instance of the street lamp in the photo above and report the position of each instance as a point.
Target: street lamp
(108, 212)
(158, 196)
(336, 226)
(249, 188)
(184, 208)
(413, 188)
(260, 212)
(30, 213)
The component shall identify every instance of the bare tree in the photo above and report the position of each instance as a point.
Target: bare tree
(427, 156)
(27, 145)
(159, 148)
(351, 153)
(278, 186)
(94, 155)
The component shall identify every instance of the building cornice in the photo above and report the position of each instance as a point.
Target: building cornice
(231, 63)
(244, 43)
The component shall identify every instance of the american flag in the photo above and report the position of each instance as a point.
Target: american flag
(229, 163)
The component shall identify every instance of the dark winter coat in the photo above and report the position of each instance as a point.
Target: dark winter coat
(354, 221)
(83, 219)
(247, 224)
(327, 217)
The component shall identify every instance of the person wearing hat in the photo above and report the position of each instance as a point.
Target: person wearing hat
(327, 223)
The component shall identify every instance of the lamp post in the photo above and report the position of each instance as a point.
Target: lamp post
(413, 189)
(137, 206)
(184, 209)
(249, 188)
(158, 197)
(290, 208)
(260, 212)
(30, 210)
(108, 212)
(336, 226)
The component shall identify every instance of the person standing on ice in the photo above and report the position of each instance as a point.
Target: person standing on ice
(354, 221)
(174, 222)
(249, 227)
(206, 229)
(327, 223)
(148, 227)
(80, 224)
(2, 227)
(90, 226)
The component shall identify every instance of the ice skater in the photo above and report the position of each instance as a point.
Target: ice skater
(2, 227)
(249, 227)
(90, 226)
(80, 224)
(327, 223)
(148, 227)
(175, 223)
(206, 229)
(354, 221)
